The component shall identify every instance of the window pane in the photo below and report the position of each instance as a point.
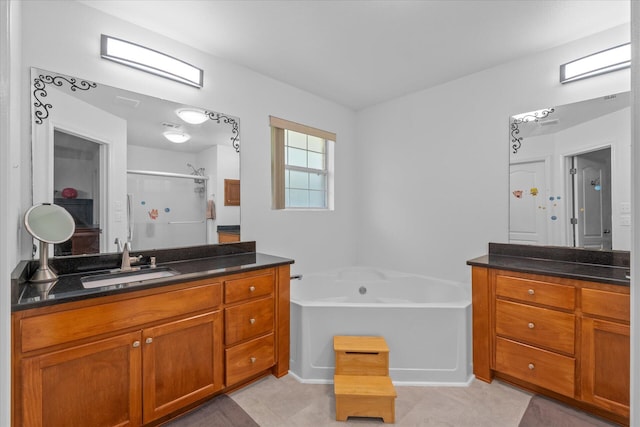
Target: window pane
(296, 157)
(286, 179)
(316, 144)
(316, 160)
(317, 199)
(298, 198)
(296, 139)
(299, 180)
(316, 181)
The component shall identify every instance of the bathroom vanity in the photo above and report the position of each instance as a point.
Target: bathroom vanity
(555, 321)
(140, 353)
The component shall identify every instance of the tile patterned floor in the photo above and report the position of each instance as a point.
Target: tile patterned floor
(285, 402)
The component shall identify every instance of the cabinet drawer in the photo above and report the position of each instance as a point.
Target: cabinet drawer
(535, 291)
(65, 326)
(248, 320)
(540, 367)
(606, 304)
(250, 358)
(534, 325)
(249, 287)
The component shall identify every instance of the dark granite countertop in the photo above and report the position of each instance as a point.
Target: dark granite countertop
(191, 263)
(610, 267)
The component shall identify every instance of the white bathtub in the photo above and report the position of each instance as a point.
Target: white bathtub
(426, 323)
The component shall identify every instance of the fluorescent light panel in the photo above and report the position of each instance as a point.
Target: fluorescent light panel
(613, 59)
(150, 60)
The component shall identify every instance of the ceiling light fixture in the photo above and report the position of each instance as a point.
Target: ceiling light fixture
(615, 58)
(192, 115)
(149, 60)
(176, 136)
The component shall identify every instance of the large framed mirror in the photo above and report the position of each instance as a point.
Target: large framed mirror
(131, 167)
(569, 174)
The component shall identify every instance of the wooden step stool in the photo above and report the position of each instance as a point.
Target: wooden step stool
(362, 385)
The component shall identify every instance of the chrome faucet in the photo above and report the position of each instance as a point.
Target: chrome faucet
(127, 260)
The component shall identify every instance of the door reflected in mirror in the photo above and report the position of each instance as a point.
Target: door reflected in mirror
(110, 158)
(569, 175)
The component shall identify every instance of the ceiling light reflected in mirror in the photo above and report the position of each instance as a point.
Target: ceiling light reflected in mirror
(176, 137)
(192, 116)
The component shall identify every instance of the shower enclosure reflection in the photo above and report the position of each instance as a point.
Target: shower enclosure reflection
(569, 175)
(165, 210)
(105, 154)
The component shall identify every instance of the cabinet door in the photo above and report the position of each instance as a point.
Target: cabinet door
(96, 384)
(182, 363)
(605, 364)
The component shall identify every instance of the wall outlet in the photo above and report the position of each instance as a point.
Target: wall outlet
(625, 220)
(625, 207)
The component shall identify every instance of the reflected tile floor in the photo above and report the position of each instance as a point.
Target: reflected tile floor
(285, 402)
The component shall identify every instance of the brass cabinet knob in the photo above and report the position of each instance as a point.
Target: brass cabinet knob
(531, 292)
(252, 288)
(136, 344)
(252, 359)
(148, 340)
(532, 366)
(252, 321)
(531, 325)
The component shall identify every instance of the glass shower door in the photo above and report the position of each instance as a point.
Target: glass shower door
(165, 210)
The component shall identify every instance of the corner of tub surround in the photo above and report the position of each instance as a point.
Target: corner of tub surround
(612, 258)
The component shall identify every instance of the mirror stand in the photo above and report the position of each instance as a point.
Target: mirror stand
(44, 274)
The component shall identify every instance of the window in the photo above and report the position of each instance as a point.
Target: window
(301, 166)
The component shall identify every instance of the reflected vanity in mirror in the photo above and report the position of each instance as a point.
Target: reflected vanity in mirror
(130, 167)
(569, 175)
(47, 223)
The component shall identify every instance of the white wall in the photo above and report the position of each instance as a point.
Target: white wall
(434, 164)
(69, 44)
(10, 184)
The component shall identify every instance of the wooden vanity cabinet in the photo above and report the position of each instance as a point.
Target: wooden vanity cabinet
(97, 384)
(139, 358)
(249, 326)
(605, 343)
(565, 338)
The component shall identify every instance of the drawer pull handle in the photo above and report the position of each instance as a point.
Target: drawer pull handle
(531, 292)
(136, 344)
(531, 325)
(148, 340)
(532, 366)
(252, 321)
(252, 288)
(252, 359)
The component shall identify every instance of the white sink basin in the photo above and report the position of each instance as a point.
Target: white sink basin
(123, 278)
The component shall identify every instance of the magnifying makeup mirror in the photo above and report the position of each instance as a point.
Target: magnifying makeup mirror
(49, 224)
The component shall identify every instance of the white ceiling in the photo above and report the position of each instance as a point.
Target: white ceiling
(359, 53)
